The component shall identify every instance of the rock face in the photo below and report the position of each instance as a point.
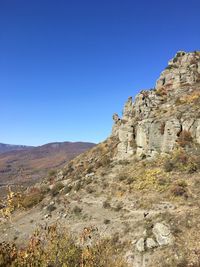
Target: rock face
(184, 68)
(152, 123)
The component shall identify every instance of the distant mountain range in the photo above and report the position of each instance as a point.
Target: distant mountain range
(7, 147)
(25, 164)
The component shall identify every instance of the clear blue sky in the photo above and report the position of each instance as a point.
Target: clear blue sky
(67, 66)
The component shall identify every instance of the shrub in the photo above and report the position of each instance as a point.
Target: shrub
(130, 180)
(106, 204)
(106, 221)
(51, 208)
(162, 181)
(183, 161)
(168, 165)
(192, 167)
(179, 188)
(181, 183)
(119, 206)
(115, 238)
(121, 177)
(185, 138)
(178, 101)
(77, 210)
(123, 162)
(105, 161)
(32, 199)
(56, 189)
(67, 189)
(78, 186)
(181, 157)
(90, 190)
(44, 189)
(54, 246)
(161, 92)
(52, 173)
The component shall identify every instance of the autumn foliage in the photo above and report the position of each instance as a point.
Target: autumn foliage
(54, 246)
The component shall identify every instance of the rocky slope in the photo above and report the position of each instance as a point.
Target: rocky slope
(153, 122)
(141, 186)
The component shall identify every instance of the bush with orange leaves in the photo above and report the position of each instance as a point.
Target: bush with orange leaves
(54, 246)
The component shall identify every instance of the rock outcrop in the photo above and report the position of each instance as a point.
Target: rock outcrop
(152, 123)
(160, 236)
(184, 68)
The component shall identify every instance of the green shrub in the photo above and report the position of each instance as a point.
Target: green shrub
(32, 199)
(56, 189)
(44, 189)
(168, 165)
(52, 173)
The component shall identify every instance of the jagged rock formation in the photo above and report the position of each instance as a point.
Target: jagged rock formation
(153, 123)
(184, 68)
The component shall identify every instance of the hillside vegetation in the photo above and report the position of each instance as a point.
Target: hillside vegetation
(132, 200)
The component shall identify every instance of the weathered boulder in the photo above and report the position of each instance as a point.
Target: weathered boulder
(162, 234)
(140, 245)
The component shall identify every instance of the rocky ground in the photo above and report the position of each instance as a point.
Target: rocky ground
(149, 223)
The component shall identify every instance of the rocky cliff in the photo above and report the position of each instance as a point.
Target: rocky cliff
(154, 122)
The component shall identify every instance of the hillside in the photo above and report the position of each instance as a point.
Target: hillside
(28, 165)
(140, 188)
(6, 147)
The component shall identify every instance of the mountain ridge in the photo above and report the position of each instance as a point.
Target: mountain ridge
(10, 147)
(29, 164)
